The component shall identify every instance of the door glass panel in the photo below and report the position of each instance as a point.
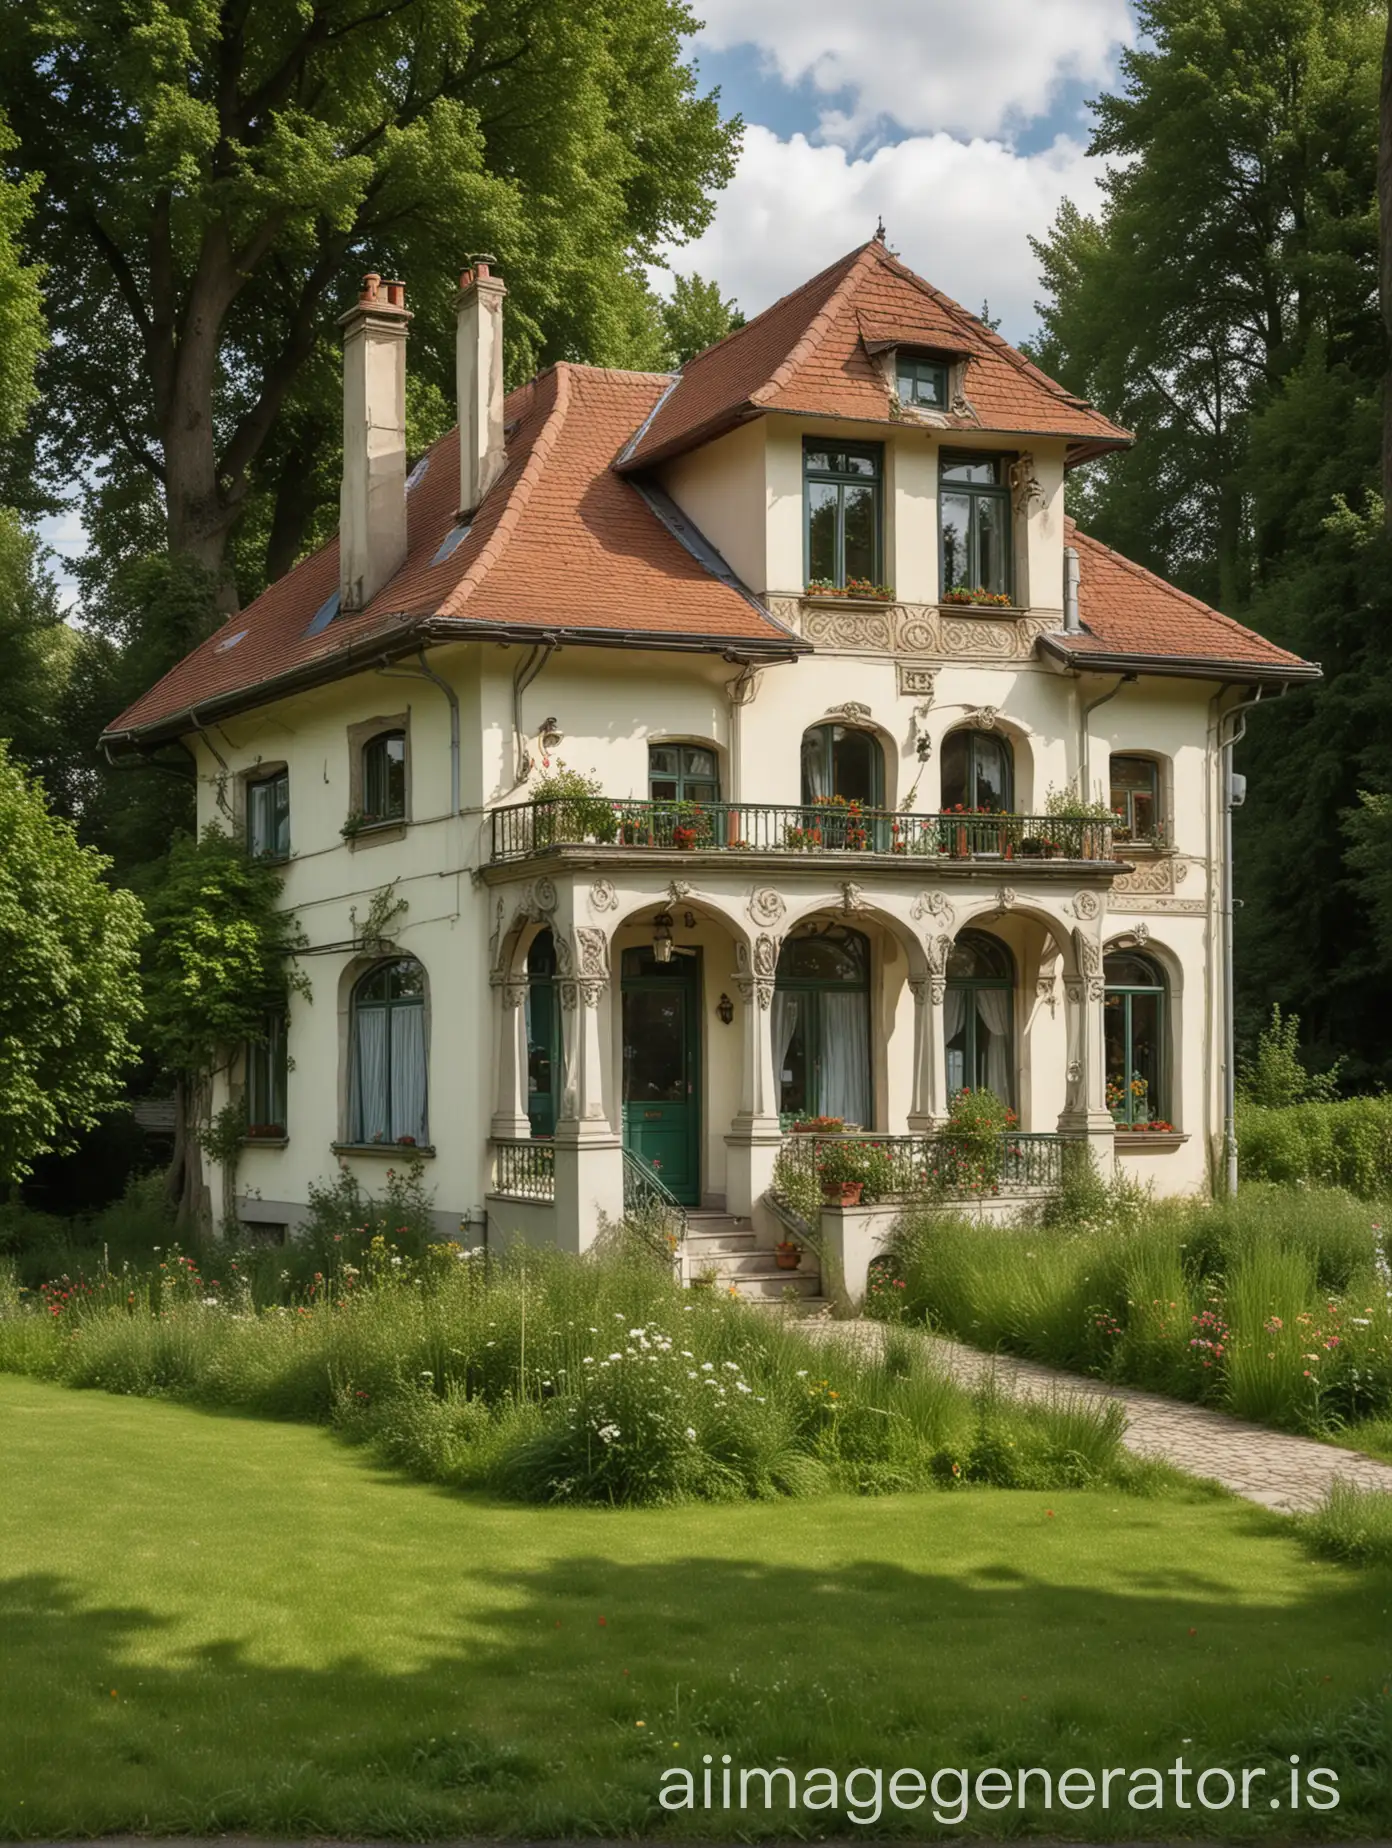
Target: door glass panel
(990, 782)
(822, 501)
(795, 1097)
(654, 1047)
(1114, 1042)
(853, 755)
(860, 532)
(1146, 1101)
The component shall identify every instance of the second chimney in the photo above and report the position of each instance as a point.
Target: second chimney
(479, 375)
(372, 502)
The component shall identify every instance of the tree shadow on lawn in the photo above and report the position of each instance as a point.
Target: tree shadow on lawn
(554, 1698)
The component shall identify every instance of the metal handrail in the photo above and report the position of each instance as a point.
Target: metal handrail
(646, 1194)
(522, 829)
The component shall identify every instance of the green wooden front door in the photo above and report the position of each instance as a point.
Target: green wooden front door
(661, 1069)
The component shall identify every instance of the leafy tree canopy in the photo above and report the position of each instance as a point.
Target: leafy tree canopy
(216, 178)
(696, 317)
(70, 950)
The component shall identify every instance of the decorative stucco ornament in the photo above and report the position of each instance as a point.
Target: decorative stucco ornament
(1086, 905)
(852, 896)
(766, 907)
(603, 897)
(935, 905)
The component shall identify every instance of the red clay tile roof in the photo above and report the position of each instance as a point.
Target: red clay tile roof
(560, 543)
(811, 353)
(1130, 614)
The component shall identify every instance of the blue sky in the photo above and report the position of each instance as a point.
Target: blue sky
(963, 122)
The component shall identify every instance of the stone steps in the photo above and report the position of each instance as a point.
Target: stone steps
(732, 1253)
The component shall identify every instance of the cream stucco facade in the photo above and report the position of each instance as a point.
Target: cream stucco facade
(476, 892)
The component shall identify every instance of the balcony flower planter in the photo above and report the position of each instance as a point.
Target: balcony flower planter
(787, 1254)
(842, 1193)
(820, 1126)
(862, 589)
(684, 839)
(979, 597)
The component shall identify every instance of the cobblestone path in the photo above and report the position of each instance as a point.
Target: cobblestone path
(1281, 1471)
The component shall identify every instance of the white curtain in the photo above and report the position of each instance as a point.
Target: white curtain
(815, 783)
(369, 1101)
(993, 1008)
(785, 1019)
(408, 1073)
(845, 1056)
(954, 1019)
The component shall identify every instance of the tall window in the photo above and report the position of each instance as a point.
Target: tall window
(387, 1069)
(1135, 798)
(268, 816)
(842, 497)
(978, 772)
(838, 760)
(266, 1069)
(384, 777)
(1134, 1032)
(683, 773)
(974, 499)
(543, 1035)
(922, 382)
(821, 1026)
(978, 1021)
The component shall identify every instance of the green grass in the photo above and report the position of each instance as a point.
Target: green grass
(210, 1622)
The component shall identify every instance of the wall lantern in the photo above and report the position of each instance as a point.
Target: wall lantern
(725, 1007)
(662, 937)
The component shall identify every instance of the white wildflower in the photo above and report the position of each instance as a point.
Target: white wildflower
(608, 1432)
(690, 1435)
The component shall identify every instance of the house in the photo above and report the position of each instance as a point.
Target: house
(844, 680)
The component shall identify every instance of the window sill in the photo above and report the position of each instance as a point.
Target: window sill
(1158, 1140)
(999, 612)
(847, 603)
(395, 1150)
(265, 1142)
(374, 833)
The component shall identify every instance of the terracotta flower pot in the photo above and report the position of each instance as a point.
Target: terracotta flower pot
(684, 838)
(843, 1193)
(787, 1259)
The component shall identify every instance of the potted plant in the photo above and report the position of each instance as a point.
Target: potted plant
(819, 1126)
(787, 1254)
(842, 1171)
(684, 837)
(959, 593)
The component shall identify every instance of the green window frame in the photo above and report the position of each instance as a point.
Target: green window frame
(268, 816)
(842, 760)
(1135, 1025)
(981, 965)
(975, 545)
(384, 777)
(826, 1046)
(974, 763)
(543, 1036)
(683, 773)
(267, 1074)
(1135, 797)
(842, 512)
(389, 1066)
(921, 382)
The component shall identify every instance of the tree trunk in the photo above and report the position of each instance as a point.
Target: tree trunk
(1385, 259)
(185, 1186)
(296, 503)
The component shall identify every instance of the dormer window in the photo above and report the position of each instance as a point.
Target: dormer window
(921, 382)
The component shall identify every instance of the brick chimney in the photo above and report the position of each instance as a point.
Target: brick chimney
(372, 503)
(479, 375)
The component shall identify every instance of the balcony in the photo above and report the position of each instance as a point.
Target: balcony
(524, 830)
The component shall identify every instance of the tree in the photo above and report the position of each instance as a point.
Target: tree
(70, 956)
(216, 179)
(1237, 228)
(696, 317)
(220, 964)
(22, 333)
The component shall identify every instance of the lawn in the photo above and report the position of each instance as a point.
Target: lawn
(210, 1622)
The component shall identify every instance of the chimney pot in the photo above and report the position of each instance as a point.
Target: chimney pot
(396, 294)
(369, 287)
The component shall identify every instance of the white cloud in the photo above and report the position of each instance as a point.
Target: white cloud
(958, 212)
(974, 69)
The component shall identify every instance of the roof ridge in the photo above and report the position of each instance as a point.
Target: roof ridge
(618, 372)
(1153, 577)
(815, 331)
(518, 495)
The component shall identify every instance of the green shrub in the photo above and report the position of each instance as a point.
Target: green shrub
(1275, 1076)
(1345, 1144)
(1352, 1524)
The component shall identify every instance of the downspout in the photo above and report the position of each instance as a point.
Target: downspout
(527, 671)
(739, 692)
(1226, 746)
(1085, 737)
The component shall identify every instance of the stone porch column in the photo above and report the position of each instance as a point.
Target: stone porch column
(755, 1137)
(510, 1119)
(588, 1149)
(1085, 1111)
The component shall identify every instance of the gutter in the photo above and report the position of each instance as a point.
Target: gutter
(426, 631)
(1182, 667)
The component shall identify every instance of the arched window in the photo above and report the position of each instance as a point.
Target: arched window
(387, 1069)
(839, 760)
(1135, 798)
(384, 777)
(543, 1035)
(979, 1016)
(978, 772)
(1134, 1033)
(821, 1025)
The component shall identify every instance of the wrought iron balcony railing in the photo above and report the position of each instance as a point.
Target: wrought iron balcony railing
(527, 828)
(920, 1167)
